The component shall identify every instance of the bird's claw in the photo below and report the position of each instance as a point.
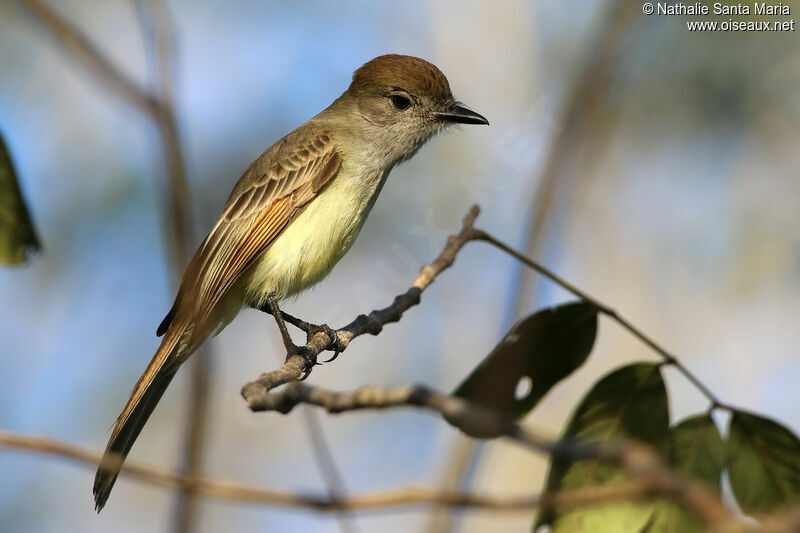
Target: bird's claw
(310, 363)
(335, 344)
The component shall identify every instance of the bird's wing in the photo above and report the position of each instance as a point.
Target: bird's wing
(276, 187)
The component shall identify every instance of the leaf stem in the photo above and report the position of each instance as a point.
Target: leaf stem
(669, 359)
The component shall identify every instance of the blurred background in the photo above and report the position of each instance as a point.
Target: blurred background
(663, 165)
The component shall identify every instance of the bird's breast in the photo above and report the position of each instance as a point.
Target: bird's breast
(316, 240)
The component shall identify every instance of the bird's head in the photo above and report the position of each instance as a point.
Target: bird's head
(401, 101)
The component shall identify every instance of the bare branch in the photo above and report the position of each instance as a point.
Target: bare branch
(326, 465)
(75, 43)
(472, 419)
(297, 364)
(404, 497)
(79, 46)
(641, 462)
(583, 122)
(606, 310)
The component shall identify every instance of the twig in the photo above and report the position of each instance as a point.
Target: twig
(75, 43)
(641, 462)
(404, 497)
(298, 364)
(473, 420)
(668, 358)
(81, 48)
(580, 118)
(327, 467)
(463, 458)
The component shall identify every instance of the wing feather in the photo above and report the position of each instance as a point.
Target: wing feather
(276, 187)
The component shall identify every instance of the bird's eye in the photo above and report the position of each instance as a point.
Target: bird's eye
(400, 102)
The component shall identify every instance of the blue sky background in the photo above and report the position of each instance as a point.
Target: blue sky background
(686, 221)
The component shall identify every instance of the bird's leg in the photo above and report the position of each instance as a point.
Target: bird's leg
(296, 322)
(311, 329)
(275, 311)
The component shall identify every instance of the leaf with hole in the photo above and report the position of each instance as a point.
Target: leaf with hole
(697, 452)
(763, 463)
(17, 237)
(629, 403)
(533, 356)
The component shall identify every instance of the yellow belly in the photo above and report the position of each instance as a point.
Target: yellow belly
(315, 241)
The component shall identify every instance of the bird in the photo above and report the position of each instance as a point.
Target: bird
(290, 218)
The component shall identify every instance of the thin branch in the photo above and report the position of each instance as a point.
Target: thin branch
(81, 48)
(177, 203)
(473, 420)
(300, 363)
(296, 365)
(157, 29)
(159, 38)
(641, 462)
(74, 42)
(404, 497)
(327, 467)
(608, 311)
(463, 459)
(581, 118)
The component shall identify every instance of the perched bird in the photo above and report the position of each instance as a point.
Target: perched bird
(293, 214)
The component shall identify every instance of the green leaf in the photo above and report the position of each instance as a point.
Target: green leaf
(629, 403)
(17, 237)
(697, 452)
(763, 463)
(545, 347)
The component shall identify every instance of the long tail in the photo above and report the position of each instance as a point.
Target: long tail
(140, 406)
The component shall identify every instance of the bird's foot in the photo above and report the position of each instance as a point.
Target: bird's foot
(335, 344)
(310, 361)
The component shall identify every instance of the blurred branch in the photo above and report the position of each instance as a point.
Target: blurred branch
(649, 476)
(577, 140)
(158, 107)
(463, 459)
(78, 45)
(580, 121)
(327, 467)
(237, 492)
(159, 38)
(375, 501)
(157, 29)
(642, 463)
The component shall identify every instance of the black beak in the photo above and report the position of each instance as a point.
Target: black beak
(462, 115)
